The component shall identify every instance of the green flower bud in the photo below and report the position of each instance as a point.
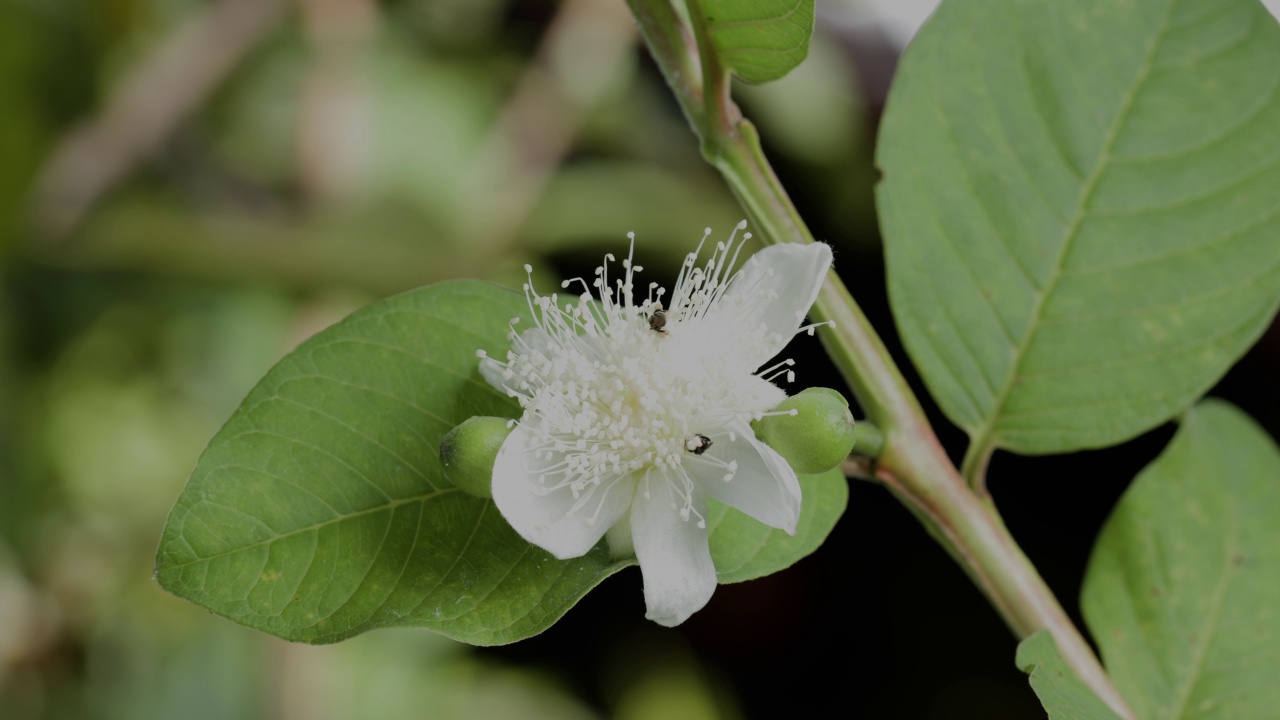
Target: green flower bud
(468, 451)
(814, 439)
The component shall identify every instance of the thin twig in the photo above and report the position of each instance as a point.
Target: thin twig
(913, 462)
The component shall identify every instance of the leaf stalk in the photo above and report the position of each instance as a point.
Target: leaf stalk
(912, 464)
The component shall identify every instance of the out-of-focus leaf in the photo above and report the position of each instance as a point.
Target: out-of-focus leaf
(760, 40)
(815, 113)
(405, 675)
(25, 53)
(319, 511)
(381, 252)
(1183, 590)
(1079, 210)
(588, 201)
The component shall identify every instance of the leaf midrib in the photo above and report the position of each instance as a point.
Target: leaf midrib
(776, 19)
(1205, 637)
(982, 441)
(306, 528)
(1213, 617)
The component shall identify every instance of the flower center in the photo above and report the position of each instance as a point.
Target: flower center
(615, 390)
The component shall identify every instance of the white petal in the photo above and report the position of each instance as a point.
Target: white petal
(759, 395)
(674, 554)
(775, 288)
(544, 519)
(621, 544)
(764, 487)
(492, 372)
(531, 340)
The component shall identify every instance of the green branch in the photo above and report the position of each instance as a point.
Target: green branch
(912, 464)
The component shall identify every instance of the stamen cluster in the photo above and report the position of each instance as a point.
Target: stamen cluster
(615, 396)
(637, 413)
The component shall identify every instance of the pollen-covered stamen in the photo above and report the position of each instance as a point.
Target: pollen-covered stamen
(625, 416)
(601, 490)
(772, 372)
(680, 487)
(607, 400)
(730, 467)
(697, 288)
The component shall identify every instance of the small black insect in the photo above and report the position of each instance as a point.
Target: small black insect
(697, 444)
(658, 321)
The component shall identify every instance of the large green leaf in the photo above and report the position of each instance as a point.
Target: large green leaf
(1059, 690)
(1079, 210)
(744, 549)
(319, 511)
(1183, 589)
(760, 40)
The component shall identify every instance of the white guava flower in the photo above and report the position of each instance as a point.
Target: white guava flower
(635, 416)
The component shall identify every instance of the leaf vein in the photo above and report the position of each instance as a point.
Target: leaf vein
(356, 431)
(984, 436)
(314, 527)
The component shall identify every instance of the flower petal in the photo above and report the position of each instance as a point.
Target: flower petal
(530, 340)
(492, 372)
(674, 555)
(774, 289)
(548, 519)
(758, 395)
(764, 486)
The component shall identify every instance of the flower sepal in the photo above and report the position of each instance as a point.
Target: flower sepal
(468, 452)
(812, 430)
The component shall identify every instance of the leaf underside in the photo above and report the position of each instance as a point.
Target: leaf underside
(760, 40)
(320, 511)
(1079, 210)
(1182, 592)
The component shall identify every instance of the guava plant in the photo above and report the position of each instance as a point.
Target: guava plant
(1079, 207)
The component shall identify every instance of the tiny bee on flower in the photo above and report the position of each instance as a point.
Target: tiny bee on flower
(697, 444)
(658, 321)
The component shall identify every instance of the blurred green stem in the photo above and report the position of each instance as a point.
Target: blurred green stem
(868, 441)
(913, 463)
(148, 104)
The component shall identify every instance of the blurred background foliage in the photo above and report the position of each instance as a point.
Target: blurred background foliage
(188, 188)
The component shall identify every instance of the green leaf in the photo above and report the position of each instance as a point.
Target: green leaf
(744, 548)
(760, 40)
(1079, 210)
(1183, 590)
(1059, 690)
(319, 511)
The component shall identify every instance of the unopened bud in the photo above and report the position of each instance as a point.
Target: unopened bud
(468, 451)
(817, 437)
